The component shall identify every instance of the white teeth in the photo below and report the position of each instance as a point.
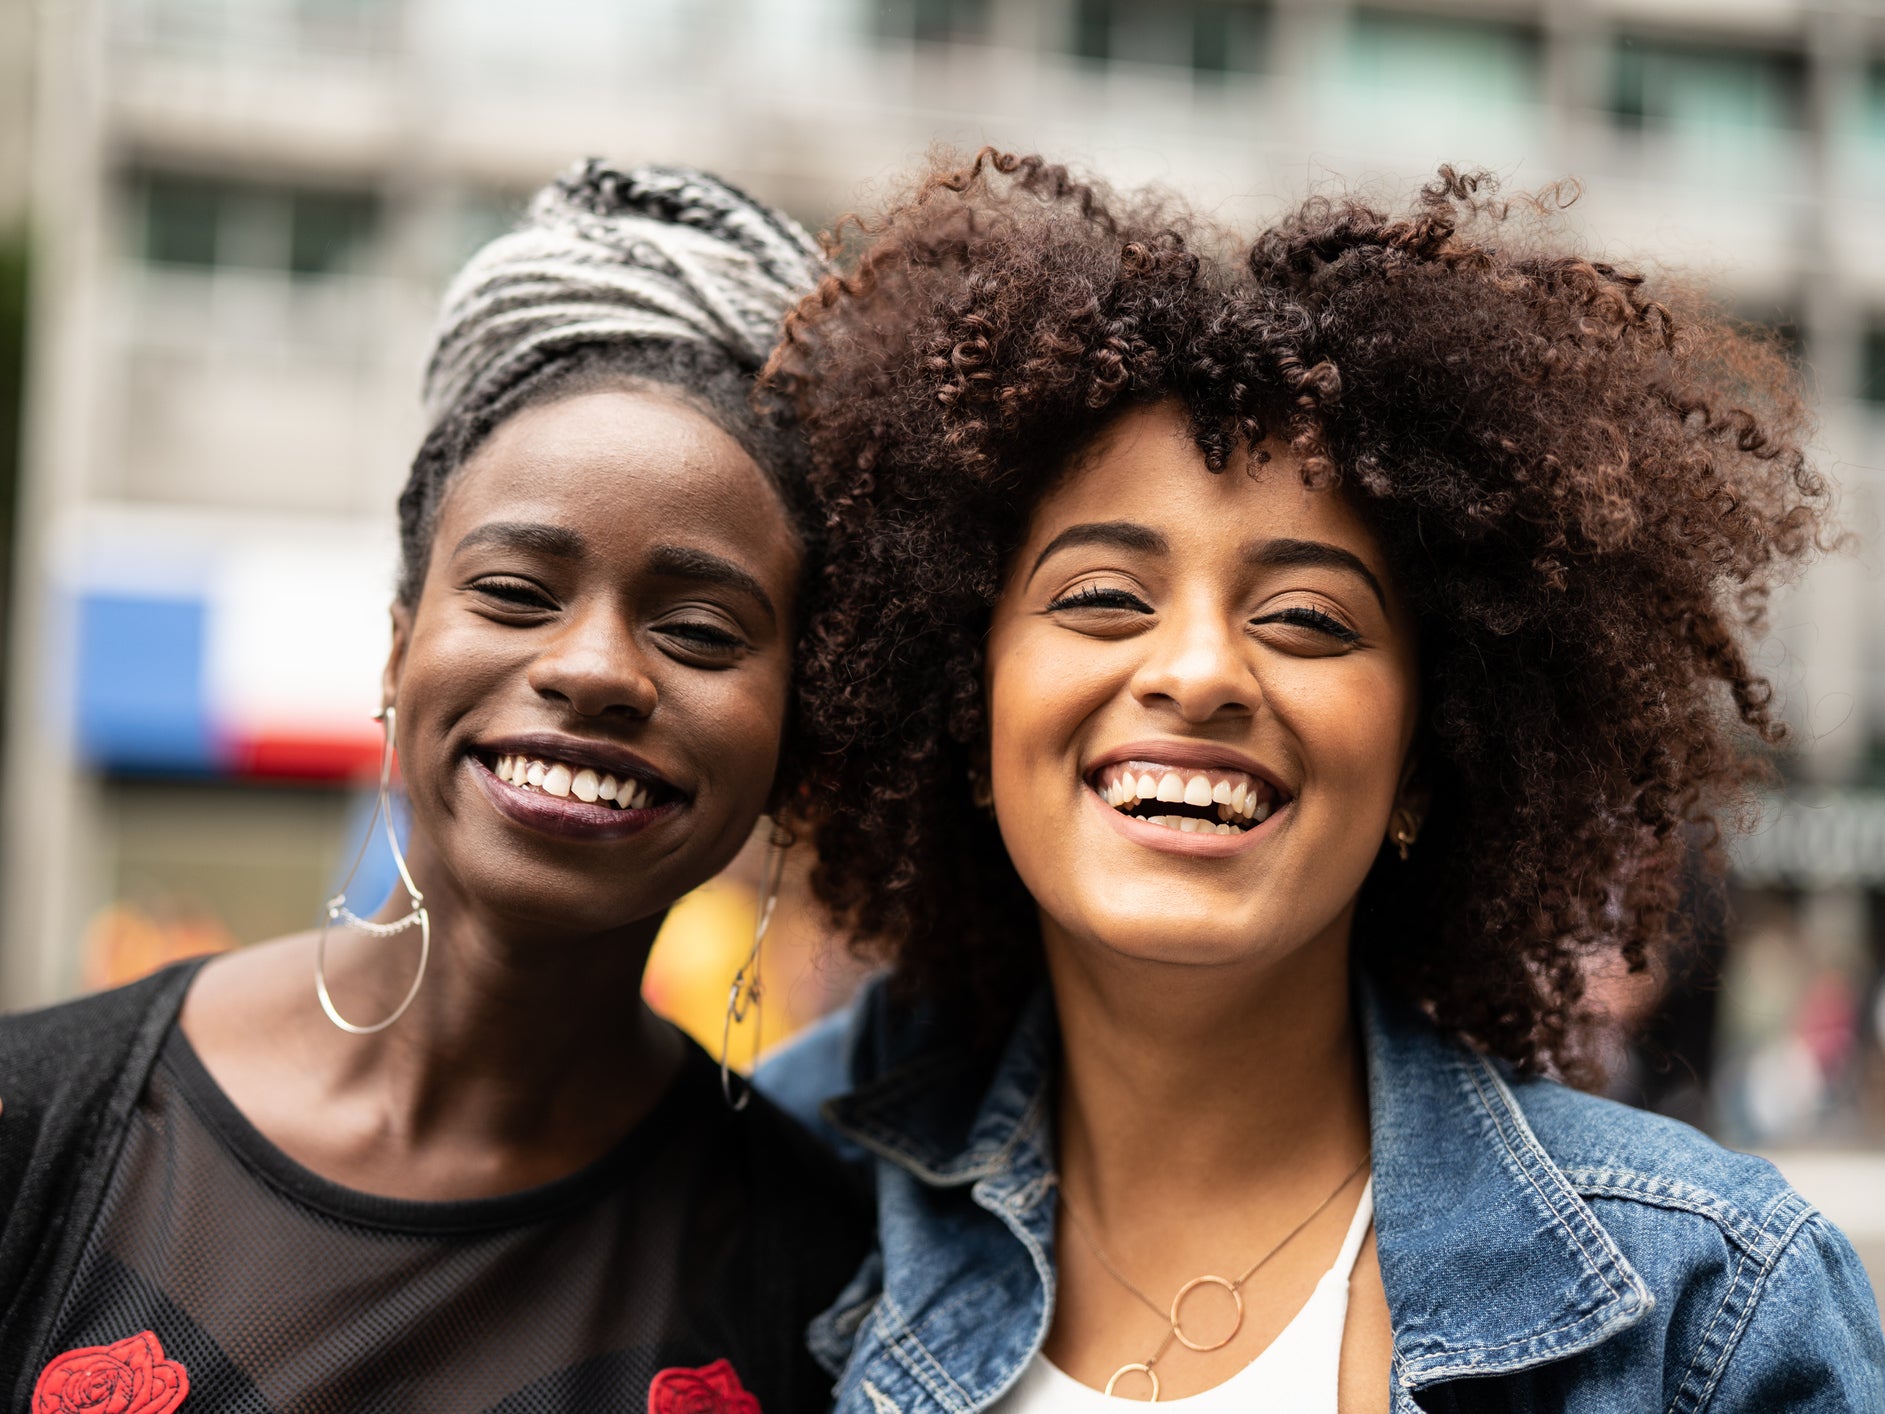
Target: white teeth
(1240, 804)
(584, 782)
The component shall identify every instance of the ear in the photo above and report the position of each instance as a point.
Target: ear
(1413, 794)
(396, 655)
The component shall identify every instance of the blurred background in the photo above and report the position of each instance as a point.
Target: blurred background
(225, 225)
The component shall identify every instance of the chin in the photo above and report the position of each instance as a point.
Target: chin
(1182, 942)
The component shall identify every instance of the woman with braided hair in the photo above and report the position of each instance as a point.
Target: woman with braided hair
(439, 1155)
(1247, 696)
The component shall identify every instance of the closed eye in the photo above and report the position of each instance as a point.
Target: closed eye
(1302, 616)
(704, 639)
(1100, 596)
(513, 592)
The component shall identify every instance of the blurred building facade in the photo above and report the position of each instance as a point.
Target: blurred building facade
(245, 211)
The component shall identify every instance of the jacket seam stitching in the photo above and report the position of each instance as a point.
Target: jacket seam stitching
(1531, 1180)
(1756, 1289)
(1691, 1370)
(909, 1351)
(1472, 1066)
(1733, 1222)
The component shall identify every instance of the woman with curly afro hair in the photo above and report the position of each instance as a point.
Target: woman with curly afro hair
(1243, 700)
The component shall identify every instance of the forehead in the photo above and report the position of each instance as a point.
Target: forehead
(625, 455)
(1147, 469)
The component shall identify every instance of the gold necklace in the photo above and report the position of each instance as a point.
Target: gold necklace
(1173, 1321)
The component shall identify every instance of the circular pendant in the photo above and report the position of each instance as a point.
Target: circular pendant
(1179, 1300)
(1135, 1369)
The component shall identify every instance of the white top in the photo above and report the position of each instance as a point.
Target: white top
(1297, 1371)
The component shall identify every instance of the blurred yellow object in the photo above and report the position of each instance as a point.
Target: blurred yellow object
(701, 946)
(124, 942)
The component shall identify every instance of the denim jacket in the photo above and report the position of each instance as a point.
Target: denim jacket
(1541, 1249)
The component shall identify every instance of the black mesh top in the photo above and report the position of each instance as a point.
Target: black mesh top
(704, 1235)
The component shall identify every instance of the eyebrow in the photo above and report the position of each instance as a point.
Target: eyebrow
(1315, 554)
(704, 567)
(555, 540)
(1119, 534)
(668, 561)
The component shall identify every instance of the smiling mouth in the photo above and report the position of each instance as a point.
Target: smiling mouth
(1213, 802)
(572, 781)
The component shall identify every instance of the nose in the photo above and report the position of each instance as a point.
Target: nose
(596, 665)
(1198, 665)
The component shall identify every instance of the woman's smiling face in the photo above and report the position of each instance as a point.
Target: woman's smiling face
(592, 684)
(1202, 694)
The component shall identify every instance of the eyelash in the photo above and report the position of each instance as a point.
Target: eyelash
(702, 637)
(1095, 596)
(1304, 617)
(520, 592)
(708, 637)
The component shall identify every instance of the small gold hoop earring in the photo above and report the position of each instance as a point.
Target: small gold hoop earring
(744, 997)
(982, 791)
(337, 910)
(1404, 833)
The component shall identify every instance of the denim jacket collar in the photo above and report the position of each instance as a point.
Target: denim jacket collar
(1490, 1259)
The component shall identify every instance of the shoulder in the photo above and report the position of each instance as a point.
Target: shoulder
(1610, 1151)
(56, 1050)
(1763, 1296)
(813, 1067)
(70, 1076)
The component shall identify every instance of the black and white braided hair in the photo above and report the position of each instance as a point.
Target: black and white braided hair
(654, 274)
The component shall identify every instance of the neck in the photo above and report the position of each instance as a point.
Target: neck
(518, 1034)
(1205, 1085)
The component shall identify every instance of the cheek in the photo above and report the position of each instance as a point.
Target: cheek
(1353, 723)
(1039, 692)
(733, 724)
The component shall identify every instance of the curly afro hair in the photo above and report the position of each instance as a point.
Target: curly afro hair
(1587, 488)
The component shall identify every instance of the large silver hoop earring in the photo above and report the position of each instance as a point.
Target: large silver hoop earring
(745, 995)
(338, 912)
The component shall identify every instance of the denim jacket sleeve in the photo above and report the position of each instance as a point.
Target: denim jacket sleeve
(1810, 1342)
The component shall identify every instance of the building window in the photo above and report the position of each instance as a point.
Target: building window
(1451, 61)
(1210, 37)
(206, 222)
(933, 21)
(1872, 365)
(1702, 91)
(328, 230)
(1872, 113)
(182, 219)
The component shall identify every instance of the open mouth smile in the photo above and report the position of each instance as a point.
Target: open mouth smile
(1189, 800)
(560, 792)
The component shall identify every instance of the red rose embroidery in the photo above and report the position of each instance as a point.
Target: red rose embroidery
(712, 1389)
(130, 1377)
